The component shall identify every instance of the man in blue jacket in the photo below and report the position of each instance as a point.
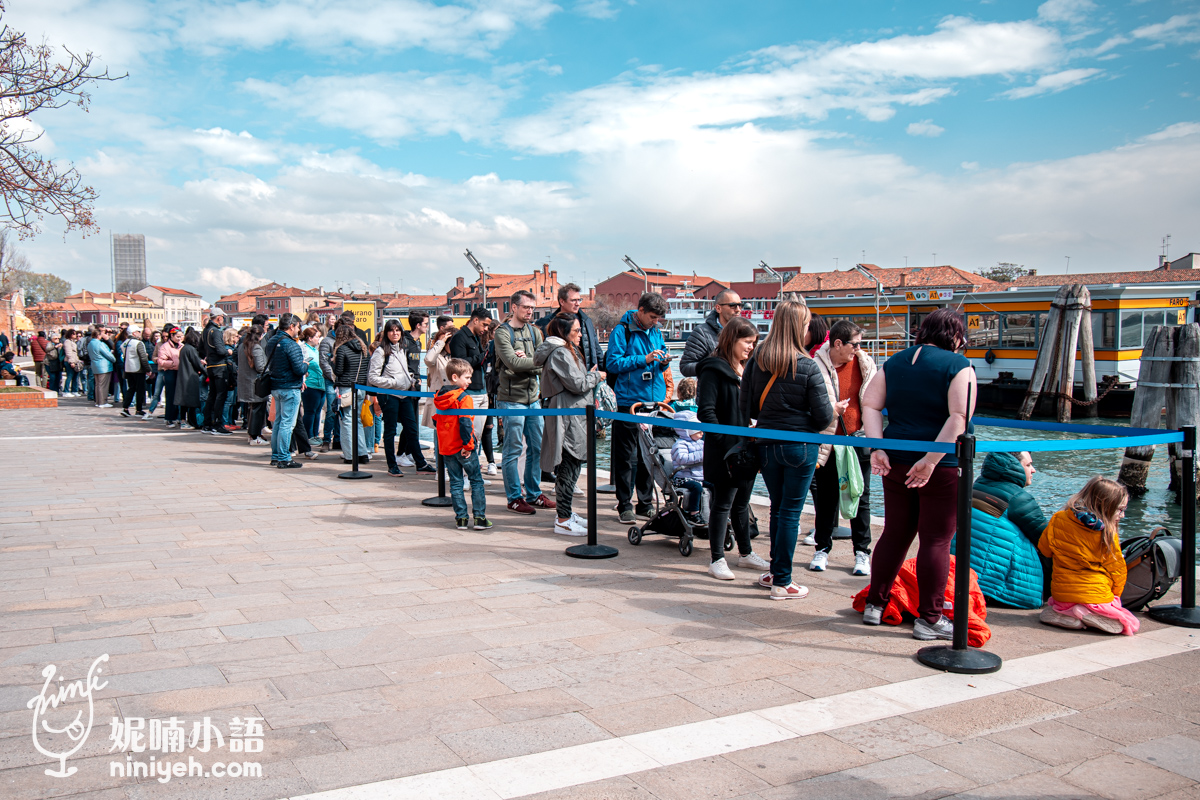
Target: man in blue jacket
(638, 356)
(285, 360)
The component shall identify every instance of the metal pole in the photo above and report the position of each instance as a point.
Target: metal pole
(960, 657)
(591, 549)
(441, 501)
(356, 410)
(1185, 614)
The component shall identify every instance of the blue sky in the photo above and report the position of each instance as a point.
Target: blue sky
(317, 142)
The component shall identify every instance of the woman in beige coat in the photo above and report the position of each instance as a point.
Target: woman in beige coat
(436, 359)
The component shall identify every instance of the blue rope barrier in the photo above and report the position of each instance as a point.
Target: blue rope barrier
(1115, 442)
(396, 392)
(512, 412)
(1066, 427)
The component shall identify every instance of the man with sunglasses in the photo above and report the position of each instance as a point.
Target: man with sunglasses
(703, 338)
(847, 371)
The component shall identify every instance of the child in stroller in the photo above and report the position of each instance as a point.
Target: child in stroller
(687, 456)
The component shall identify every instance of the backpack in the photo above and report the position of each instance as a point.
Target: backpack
(1153, 565)
(602, 359)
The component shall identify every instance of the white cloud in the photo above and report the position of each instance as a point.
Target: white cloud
(1176, 131)
(924, 128)
(596, 9)
(870, 78)
(228, 279)
(1072, 11)
(472, 28)
(1056, 82)
(232, 148)
(1179, 29)
(393, 106)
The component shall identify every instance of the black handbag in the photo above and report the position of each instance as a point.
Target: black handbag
(742, 458)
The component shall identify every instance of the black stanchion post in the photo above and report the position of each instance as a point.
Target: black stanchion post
(355, 410)
(441, 501)
(960, 657)
(1185, 613)
(591, 549)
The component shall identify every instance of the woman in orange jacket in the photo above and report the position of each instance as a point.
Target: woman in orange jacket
(1089, 570)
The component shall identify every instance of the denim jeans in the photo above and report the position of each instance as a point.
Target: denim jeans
(156, 395)
(516, 429)
(169, 377)
(332, 421)
(72, 383)
(91, 384)
(314, 400)
(787, 470)
(54, 380)
(287, 407)
(349, 415)
(231, 400)
(456, 466)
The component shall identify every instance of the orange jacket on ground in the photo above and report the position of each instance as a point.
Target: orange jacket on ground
(454, 433)
(1082, 572)
(905, 596)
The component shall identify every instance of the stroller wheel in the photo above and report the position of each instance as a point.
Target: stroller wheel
(685, 546)
(728, 541)
(635, 535)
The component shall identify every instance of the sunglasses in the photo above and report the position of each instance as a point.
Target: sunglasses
(732, 305)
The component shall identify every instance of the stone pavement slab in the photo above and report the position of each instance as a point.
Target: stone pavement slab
(374, 641)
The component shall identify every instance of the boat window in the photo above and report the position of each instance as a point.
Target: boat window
(1131, 329)
(1104, 330)
(983, 330)
(1020, 330)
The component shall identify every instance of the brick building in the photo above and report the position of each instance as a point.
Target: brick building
(624, 288)
(464, 298)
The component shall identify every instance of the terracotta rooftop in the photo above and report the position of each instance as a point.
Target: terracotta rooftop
(892, 278)
(1108, 278)
(417, 301)
(167, 290)
(128, 297)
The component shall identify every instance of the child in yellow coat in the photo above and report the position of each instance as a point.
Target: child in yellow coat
(1089, 570)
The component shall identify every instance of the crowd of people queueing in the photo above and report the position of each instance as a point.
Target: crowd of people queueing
(804, 377)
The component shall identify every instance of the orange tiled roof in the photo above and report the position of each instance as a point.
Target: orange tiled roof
(890, 277)
(417, 301)
(1106, 278)
(129, 297)
(167, 290)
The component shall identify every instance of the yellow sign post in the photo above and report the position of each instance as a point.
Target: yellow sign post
(364, 317)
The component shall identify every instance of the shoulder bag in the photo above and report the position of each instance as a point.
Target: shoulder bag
(743, 457)
(262, 384)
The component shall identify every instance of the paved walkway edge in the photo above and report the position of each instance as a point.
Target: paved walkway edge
(574, 766)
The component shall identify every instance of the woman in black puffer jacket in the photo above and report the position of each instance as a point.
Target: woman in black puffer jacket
(350, 366)
(783, 389)
(720, 380)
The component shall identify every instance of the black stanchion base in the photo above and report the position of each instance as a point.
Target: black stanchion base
(591, 551)
(354, 476)
(606, 488)
(963, 662)
(1176, 615)
(437, 502)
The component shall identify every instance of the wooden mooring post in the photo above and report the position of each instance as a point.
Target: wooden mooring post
(1068, 328)
(1168, 379)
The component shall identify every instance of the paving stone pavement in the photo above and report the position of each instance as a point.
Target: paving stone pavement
(375, 641)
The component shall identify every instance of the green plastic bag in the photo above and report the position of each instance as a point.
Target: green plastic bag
(850, 480)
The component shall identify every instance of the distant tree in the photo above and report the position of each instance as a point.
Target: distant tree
(1004, 272)
(42, 287)
(605, 316)
(32, 79)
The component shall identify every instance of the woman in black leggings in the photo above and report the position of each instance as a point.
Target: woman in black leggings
(720, 378)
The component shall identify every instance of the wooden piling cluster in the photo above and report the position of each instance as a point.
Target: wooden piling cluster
(1168, 379)
(1068, 328)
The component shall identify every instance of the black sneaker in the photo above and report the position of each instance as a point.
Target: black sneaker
(626, 516)
(364, 459)
(395, 471)
(125, 412)
(289, 465)
(462, 523)
(643, 511)
(220, 432)
(482, 523)
(427, 467)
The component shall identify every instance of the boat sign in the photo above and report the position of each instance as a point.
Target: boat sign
(930, 294)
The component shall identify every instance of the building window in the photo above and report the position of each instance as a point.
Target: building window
(505, 306)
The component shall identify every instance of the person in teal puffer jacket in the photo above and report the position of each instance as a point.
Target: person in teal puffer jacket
(1006, 523)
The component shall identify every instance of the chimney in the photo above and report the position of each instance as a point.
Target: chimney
(1032, 272)
(458, 283)
(819, 283)
(903, 278)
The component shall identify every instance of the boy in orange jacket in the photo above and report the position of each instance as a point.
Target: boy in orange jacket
(456, 443)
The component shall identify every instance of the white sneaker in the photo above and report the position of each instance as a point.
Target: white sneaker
(491, 470)
(862, 564)
(820, 560)
(753, 561)
(872, 615)
(720, 570)
(106, 405)
(147, 415)
(578, 489)
(570, 528)
(258, 440)
(578, 519)
(405, 461)
(810, 540)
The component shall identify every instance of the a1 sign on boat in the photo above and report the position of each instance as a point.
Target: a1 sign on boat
(930, 294)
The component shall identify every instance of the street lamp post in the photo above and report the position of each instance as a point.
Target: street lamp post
(638, 271)
(878, 291)
(482, 275)
(776, 275)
